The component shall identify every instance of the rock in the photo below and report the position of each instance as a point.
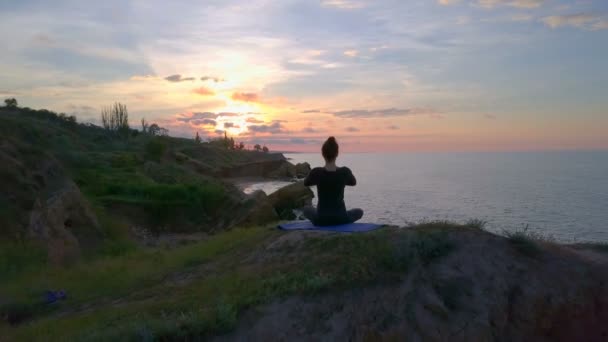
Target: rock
(302, 169)
(270, 168)
(293, 196)
(42, 203)
(65, 222)
(244, 210)
(285, 170)
(259, 209)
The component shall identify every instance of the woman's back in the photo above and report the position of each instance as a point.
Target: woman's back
(330, 181)
(330, 189)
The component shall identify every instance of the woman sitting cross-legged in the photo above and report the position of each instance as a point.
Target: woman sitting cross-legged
(330, 181)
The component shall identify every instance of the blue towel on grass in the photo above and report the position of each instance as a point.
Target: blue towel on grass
(345, 228)
(54, 296)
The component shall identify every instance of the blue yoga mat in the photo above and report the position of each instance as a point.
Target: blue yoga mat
(345, 228)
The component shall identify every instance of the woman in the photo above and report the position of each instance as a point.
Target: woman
(330, 181)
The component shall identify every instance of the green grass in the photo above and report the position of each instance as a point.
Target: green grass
(432, 246)
(114, 277)
(20, 256)
(526, 242)
(477, 224)
(153, 303)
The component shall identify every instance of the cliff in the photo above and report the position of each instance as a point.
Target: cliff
(433, 282)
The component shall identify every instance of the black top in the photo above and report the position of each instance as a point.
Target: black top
(330, 189)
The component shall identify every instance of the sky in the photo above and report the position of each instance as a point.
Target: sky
(393, 75)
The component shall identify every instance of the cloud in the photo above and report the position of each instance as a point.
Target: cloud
(352, 129)
(512, 3)
(275, 127)
(188, 117)
(228, 114)
(342, 4)
(8, 93)
(389, 112)
(580, 20)
(245, 97)
(284, 141)
(143, 78)
(311, 111)
(178, 78)
(351, 53)
(229, 125)
(463, 20)
(203, 91)
(204, 122)
(600, 25)
(310, 130)
(254, 121)
(448, 2)
(78, 108)
(393, 127)
(219, 131)
(212, 78)
(521, 17)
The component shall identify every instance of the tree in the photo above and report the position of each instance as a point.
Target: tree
(116, 119)
(144, 125)
(265, 149)
(154, 129)
(197, 138)
(257, 147)
(11, 103)
(231, 144)
(241, 146)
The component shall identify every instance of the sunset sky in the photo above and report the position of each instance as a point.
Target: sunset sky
(395, 75)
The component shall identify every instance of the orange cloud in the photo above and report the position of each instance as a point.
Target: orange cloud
(203, 91)
(245, 97)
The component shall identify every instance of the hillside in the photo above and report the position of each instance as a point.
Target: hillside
(432, 282)
(74, 187)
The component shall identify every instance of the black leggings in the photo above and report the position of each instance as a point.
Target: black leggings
(352, 215)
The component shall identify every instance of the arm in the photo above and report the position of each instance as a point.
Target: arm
(350, 178)
(310, 180)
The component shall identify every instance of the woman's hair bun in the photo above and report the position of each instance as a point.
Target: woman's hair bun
(330, 149)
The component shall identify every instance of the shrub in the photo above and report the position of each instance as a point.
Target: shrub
(432, 246)
(525, 241)
(476, 223)
(165, 201)
(155, 149)
(124, 160)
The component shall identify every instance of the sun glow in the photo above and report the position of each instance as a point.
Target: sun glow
(233, 106)
(233, 116)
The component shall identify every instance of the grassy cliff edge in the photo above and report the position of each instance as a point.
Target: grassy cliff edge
(438, 281)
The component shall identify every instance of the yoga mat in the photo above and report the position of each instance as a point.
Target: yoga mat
(345, 228)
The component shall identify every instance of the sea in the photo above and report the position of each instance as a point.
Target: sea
(559, 195)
